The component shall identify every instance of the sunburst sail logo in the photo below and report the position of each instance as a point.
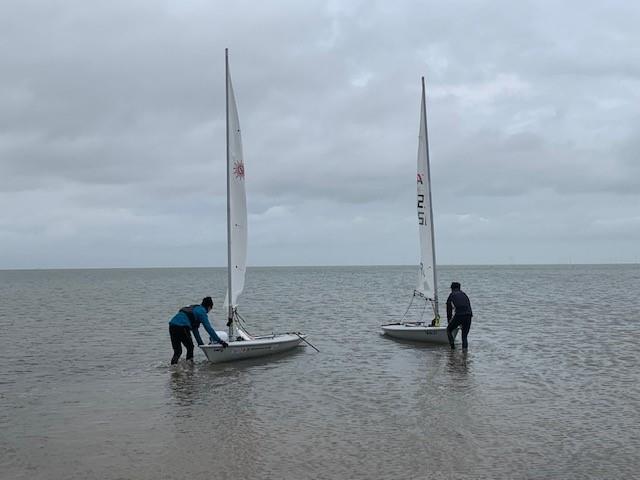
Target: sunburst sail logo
(238, 169)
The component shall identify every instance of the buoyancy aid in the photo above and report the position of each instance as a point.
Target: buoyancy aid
(193, 320)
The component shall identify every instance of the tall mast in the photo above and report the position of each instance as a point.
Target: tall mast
(433, 242)
(230, 293)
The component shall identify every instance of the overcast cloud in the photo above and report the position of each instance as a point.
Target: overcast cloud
(112, 131)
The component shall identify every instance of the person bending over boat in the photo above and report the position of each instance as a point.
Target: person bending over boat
(188, 320)
(459, 305)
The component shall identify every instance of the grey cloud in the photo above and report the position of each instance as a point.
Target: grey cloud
(112, 130)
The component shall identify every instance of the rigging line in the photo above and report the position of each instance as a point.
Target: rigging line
(423, 309)
(242, 322)
(238, 318)
(407, 310)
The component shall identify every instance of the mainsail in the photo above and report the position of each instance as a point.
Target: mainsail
(427, 275)
(426, 292)
(236, 199)
(240, 345)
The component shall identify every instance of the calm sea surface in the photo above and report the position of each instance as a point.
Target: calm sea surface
(550, 386)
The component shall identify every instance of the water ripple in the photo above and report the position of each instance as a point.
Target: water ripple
(548, 389)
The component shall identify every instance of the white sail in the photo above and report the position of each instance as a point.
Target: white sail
(427, 274)
(236, 199)
(240, 345)
(423, 330)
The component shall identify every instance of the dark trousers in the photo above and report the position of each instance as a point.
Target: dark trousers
(463, 321)
(180, 335)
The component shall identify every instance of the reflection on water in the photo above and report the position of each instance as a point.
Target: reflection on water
(459, 362)
(182, 385)
(542, 392)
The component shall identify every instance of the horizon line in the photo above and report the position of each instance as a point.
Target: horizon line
(320, 266)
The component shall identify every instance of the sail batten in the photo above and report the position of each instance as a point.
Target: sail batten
(236, 201)
(427, 274)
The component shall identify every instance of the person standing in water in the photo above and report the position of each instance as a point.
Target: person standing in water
(188, 321)
(458, 306)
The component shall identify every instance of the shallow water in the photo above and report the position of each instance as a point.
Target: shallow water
(548, 389)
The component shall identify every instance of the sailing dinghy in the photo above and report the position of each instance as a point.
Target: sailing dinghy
(241, 344)
(426, 291)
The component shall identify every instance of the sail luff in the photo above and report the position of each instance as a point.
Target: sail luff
(229, 272)
(433, 240)
(427, 275)
(236, 201)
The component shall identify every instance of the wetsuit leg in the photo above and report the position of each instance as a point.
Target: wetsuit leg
(188, 342)
(466, 325)
(455, 323)
(176, 334)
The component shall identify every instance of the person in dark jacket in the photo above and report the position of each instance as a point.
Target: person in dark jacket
(188, 321)
(459, 305)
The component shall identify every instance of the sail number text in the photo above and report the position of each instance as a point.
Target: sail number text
(421, 209)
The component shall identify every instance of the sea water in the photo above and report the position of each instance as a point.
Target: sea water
(549, 388)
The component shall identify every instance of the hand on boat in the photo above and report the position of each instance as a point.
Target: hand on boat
(224, 344)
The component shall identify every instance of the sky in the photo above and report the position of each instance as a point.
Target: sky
(112, 131)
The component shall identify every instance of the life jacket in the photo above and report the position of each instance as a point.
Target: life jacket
(193, 320)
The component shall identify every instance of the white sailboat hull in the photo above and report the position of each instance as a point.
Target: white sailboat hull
(417, 332)
(257, 347)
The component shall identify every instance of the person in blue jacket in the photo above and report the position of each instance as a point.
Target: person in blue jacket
(188, 320)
